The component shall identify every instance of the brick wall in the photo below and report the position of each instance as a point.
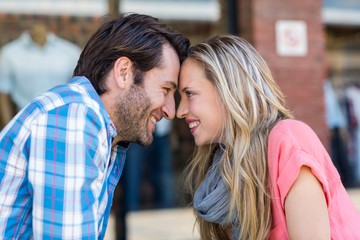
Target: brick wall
(300, 78)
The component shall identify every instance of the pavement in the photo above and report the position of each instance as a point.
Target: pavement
(172, 224)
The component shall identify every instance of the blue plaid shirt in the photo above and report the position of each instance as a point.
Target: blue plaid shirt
(58, 170)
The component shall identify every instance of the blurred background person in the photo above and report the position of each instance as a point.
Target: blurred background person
(148, 177)
(337, 124)
(30, 65)
(352, 93)
(154, 165)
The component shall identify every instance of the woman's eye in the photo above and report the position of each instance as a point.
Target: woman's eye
(189, 94)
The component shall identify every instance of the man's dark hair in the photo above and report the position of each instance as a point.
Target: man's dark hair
(136, 36)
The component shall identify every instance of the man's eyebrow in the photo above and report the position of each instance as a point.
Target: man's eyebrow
(184, 89)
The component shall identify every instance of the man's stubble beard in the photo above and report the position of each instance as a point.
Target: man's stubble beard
(132, 116)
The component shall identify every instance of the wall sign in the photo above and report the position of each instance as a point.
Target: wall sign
(291, 38)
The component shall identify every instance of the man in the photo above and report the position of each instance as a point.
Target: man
(30, 65)
(62, 156)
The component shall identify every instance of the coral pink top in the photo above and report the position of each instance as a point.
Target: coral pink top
(291, 145)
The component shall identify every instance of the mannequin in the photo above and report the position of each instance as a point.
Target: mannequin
(38, 34)
(30, 65)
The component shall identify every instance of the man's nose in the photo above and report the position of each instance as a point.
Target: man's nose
(169, 108)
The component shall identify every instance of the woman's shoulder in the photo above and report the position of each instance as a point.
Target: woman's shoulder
(294, 134)
(291, 128)
(291, 124)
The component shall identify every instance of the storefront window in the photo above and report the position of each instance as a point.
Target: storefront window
(344, 12)
(55, 7)
(201, 10)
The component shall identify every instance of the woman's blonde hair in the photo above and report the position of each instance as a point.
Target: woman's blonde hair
(253, 104)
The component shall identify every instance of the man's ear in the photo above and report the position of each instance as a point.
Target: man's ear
(123, 72)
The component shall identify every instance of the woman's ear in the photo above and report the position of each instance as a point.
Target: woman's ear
(123, 72)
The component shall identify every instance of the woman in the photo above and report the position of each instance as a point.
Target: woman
(256, 172)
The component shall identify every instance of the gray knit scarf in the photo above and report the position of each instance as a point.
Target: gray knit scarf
(211, 199)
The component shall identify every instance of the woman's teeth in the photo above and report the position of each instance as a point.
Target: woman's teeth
(193, 124)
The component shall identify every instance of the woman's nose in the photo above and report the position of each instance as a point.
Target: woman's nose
(181, 110)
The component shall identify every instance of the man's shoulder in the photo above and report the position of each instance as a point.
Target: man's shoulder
(78, 91)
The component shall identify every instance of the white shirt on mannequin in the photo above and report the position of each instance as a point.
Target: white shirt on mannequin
(27, 69)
